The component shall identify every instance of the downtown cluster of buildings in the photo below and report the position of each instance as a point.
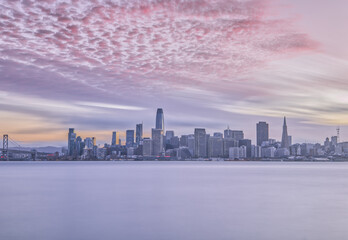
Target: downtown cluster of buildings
(229, 144)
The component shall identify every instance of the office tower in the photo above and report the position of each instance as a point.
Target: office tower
(262, 133)
(139, 133)
(290, 140)
(228, 133)
(114, 137)
(285, 137)
(228, 143)
(79, 145)
(147, 147)
(94, 141)
(191, 144)
(247, 144)
(157, 142)
(71, 141)
(334, 140)
(215, 147)
(200, 142)
(174, 142)
(88, 143)
(160, 119)
(242, 152)
(169, 136)
(129, 138)
(218, 134)
(184, 141)
(237, 135)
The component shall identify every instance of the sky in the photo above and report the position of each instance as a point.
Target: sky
(105, 65)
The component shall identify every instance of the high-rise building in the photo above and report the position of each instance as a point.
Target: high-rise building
(184, 141)
(247, 144)
(228, 143)
(79, 145)
(200, 142)
(228, 133)
(218, 134)
(114, 140)
(215, 147)
(71, 141)
(174, 142)
(139, 133)
(129, 138)
(334, 140)
(237, 135)
(169, 135)
(262, 133)
(285, 137)
(88, 143)
(160, 119)
(157, 142)
(191, 144)
(147, 147)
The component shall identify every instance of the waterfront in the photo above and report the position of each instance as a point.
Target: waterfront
(173, 200)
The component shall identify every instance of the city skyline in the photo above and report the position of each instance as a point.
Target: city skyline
(227, 145)
(105, 66)
(120, 135)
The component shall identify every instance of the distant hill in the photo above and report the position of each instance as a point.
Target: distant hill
(48, 149)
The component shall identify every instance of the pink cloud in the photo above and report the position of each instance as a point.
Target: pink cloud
(177, 42)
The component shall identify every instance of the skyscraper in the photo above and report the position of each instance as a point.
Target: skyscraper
(113, 140)
(160, 119)
(237, 135)
(169, 136)
(200, 142)
(139, 133)
(262, 133)
(285, 137)
(129, 138)
(71, 141)
(147, 147)
(228, 133)
(215, 147)
(157, 141)
(184, 141)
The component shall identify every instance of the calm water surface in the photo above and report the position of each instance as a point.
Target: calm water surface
(173, 200)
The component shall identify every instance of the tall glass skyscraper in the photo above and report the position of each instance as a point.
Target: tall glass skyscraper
(115, 140)
(129, 138)
(71, 141)
(262, 133)
(139, 133)
(157, 142)
(160, 119)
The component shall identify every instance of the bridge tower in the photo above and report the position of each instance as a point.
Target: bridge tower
(5, 147)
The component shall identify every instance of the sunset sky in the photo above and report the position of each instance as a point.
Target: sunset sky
(105, 65)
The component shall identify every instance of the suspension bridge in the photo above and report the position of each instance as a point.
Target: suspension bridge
(13, 151)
